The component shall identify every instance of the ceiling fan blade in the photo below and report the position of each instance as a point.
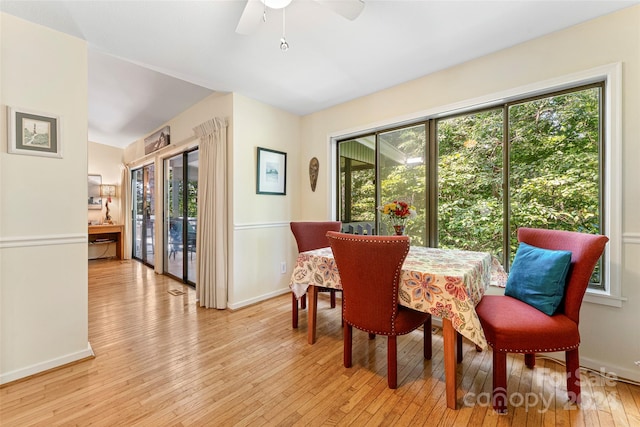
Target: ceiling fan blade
(251, 17)
(350, 9)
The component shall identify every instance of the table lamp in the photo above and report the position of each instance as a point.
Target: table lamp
(107, 191)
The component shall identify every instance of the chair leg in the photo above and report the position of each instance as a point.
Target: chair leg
(427, 339)
(392, 361)
(294, 311)
(303, 301)
(530, 360)
(499, 396)
(348, 329)
(458, 347)
(372, 336)
(572, 358)
(333, 298)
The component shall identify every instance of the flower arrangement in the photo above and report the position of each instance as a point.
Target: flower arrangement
(398, 213)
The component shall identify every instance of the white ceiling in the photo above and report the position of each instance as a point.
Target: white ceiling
(150, 60)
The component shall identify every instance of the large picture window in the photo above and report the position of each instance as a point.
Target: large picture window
(534, 162)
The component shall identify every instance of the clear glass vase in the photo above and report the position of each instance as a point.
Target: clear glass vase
(399, 229)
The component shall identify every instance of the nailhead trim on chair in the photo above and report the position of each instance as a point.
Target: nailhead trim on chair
(378, 333)
(534, 350)
(395, 281)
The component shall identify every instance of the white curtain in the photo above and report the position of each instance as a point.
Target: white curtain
(211, 232)
(125, 208)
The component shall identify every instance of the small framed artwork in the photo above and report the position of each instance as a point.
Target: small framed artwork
(157, 140)
(271, 172)
(94, 183)
(33, 133)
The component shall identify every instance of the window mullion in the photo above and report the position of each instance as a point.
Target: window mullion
(506, 190)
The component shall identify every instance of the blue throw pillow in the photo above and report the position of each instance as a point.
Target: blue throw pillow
(538, 276)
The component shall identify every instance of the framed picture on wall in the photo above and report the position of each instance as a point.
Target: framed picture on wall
(93, 190)
(33, 133)
(156, 141)
(271, 172)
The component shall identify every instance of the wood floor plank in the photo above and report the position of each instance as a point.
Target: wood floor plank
(160, 360)
(628, 404)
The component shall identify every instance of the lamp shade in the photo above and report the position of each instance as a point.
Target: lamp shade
(108, 190)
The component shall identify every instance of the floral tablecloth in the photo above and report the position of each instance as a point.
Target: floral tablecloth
(446, 283)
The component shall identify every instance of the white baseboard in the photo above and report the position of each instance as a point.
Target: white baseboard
(248, 302)
(597, 365)
(46, 365)
(614, 371)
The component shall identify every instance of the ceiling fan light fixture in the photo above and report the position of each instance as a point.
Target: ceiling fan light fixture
(276, 4)
(284, 46)
(250, 19)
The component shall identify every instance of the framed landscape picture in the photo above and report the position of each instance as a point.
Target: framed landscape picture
(33, 133)
(157, 140)
(271, 172)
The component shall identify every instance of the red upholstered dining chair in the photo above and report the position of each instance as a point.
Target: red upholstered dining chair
(512, 325)
(370, 269)
(312, 235)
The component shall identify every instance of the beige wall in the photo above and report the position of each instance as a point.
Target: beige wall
(182, 138)
(610, 336)
(258, 224)
(262, 238)
(216, 105)
(43, 322)
(43, 234)
(106, 161)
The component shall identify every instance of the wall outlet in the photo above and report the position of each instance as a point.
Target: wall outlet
(283, 267)
(637, 362)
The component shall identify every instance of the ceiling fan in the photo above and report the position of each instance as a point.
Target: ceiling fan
(255, 11)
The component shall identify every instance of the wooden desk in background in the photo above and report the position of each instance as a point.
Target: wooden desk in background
(108, 234)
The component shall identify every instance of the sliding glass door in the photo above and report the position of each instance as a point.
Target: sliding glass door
(181, 208)
(143, 185)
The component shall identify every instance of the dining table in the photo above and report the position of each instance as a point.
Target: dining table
(447, 283)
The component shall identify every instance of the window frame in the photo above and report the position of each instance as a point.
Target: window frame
(611, 75)
(337, 210)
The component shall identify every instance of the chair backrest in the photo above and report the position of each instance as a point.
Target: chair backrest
(312, 235)
(370, 269)
(585, 249)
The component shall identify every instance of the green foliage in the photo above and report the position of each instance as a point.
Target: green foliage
(407, 181)
(553, 175)
(470, 172)
(175, 186)
(363, 192)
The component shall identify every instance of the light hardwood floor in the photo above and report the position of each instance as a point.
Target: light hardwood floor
(161, 361)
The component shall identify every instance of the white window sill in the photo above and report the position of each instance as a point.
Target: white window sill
(602, 298)
(592, 296)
